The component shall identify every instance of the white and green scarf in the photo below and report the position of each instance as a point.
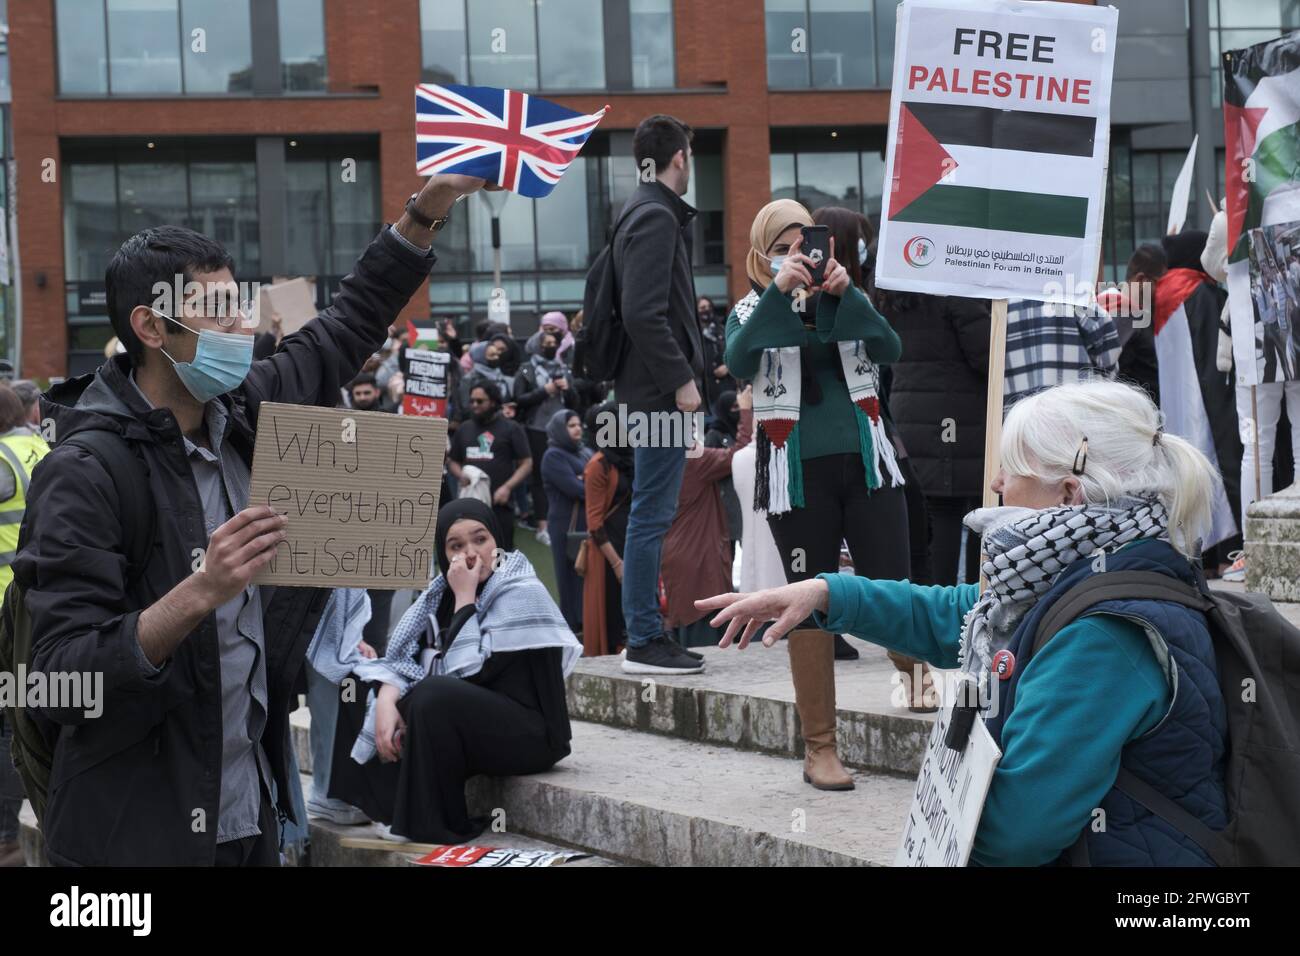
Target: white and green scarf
(778, 484)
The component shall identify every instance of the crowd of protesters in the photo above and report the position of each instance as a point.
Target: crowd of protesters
(835, 425)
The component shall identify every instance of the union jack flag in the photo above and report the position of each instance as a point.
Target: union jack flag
(523, 143)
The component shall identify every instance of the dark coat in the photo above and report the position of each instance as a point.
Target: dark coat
(140, 785)
(652, 269)
(940, 388)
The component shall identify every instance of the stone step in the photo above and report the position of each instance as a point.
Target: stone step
(652, 799)
(745, 699)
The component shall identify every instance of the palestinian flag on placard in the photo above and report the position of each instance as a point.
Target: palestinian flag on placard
(993, 142)
(1261, 125)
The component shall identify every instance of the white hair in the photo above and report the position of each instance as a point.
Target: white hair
(1128, 453)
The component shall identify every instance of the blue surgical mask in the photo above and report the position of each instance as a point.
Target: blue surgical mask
(221, 362)
(777, 263)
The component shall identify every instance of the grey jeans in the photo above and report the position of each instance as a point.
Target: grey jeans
(11, 788)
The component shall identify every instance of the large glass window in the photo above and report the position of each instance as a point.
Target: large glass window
(83, 60)
(171, 47)
(302, 45)
(331, 206)
(849, 174)
(218, 48)
(652, 44)
(1235, 24)
(835, 44)
(144, 46)
(543, 44)
(1141, 188)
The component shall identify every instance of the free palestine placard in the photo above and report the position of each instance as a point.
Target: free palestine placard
(996, 159)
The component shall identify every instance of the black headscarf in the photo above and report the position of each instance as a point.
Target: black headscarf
(458, 510)
(615, 456)
(724, 419)
(1184, 249)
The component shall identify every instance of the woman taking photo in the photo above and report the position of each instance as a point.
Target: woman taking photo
(1087, 471)
(826, 471)
(472, 683)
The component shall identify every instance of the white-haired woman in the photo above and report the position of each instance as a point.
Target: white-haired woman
(1086, 468)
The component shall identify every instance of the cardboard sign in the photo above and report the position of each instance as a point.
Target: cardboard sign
(294, 301)
(949, 797)
(999, 133)
(425, 374)
(360, 490)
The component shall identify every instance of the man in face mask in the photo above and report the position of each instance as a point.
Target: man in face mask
(496, 445)
(137, 559)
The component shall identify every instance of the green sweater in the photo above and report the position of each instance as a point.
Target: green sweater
(831, 427)
(1093, 688)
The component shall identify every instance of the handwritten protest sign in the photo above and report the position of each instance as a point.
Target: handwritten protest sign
(360, 490)
(949, 797)
(425, 374)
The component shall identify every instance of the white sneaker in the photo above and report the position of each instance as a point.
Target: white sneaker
(386, 833)
(544, 537)
(336, 811)
(1237, 570)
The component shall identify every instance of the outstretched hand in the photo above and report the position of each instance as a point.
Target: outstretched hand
(787, 606)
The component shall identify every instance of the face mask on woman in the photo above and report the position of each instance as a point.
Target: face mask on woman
(549, 351)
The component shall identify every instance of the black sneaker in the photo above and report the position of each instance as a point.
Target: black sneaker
(844, 651)
(660, 656)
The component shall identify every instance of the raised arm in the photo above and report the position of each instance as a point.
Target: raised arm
(851, 318)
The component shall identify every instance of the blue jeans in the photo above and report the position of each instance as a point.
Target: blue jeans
(323, 702)
(657, 481)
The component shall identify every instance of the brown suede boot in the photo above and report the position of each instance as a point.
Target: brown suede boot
(812, 666)
(922, 698)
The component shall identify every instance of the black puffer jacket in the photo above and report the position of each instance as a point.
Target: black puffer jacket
(140, 784)
(940, 387)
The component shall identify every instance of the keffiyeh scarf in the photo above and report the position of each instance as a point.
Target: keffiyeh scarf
(1026, 549)
(778, 484)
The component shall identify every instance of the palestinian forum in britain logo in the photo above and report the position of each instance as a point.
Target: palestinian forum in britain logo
(918, 252)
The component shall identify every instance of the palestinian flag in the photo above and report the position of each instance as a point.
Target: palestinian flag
(959, 165)
(1261, 123)
(1198, 401)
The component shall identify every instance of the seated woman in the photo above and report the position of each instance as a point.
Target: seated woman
(1091, 483)
(472, 683)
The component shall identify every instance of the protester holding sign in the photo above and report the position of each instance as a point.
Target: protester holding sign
(138, 554)
(451, 701)
(826, 471)
(1091, 481)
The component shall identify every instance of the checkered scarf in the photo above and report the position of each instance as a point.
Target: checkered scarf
(1026, 549)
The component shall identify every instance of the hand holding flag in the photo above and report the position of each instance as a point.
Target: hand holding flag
(516, 141)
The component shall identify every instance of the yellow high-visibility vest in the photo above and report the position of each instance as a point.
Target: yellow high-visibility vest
(20, 450)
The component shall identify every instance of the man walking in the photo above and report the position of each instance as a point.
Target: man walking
(662, 372)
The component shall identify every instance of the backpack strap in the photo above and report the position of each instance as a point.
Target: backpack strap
(1189, 826)
(1115, 586)
(1149, 586)
(130, 477)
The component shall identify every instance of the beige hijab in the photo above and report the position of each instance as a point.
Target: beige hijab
(772, 220)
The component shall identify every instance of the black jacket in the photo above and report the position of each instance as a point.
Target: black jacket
(939, 390)
(652, 268)
(140, 784)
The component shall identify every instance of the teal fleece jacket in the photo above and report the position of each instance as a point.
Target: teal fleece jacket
(1093, 688)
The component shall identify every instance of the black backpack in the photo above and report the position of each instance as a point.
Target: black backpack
(1258, 655)
(34, 736)
(601, 344)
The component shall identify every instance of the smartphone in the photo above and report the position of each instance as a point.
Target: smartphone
(816, 246)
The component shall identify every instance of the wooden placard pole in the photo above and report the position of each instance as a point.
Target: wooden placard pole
(993, 408)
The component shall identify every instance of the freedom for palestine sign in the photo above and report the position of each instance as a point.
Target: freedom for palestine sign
(998, 136)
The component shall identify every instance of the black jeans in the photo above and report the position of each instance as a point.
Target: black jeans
(945, 550)
(839, 507)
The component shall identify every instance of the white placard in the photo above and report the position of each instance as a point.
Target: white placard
(999, 133)
(949, 797)
(1182, 192)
